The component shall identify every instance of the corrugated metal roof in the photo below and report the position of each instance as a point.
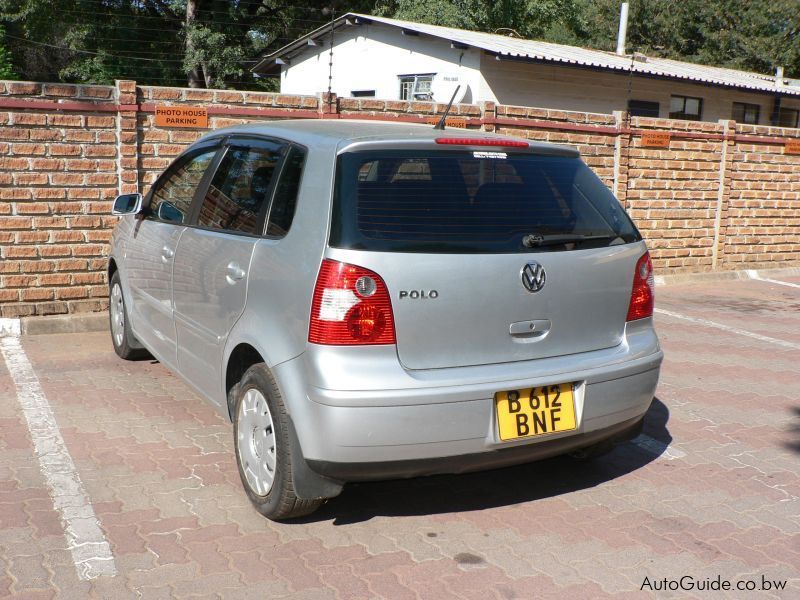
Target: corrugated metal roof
(572, 55)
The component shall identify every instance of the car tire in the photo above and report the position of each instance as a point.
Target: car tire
(263, 448)
(125, 344)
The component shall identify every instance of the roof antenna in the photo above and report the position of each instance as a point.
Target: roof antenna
(440, 124)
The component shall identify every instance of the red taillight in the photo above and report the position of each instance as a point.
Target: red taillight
(644, 293)
(351, 306)
(482, 142)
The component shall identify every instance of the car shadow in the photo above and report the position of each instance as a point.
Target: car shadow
(361, 502)
(794, 430)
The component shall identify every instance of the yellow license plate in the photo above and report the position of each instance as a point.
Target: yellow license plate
(535, 411)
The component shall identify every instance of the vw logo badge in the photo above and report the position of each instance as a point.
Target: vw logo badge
(533, 277)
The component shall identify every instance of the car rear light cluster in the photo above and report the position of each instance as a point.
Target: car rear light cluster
(351, 306)
(456, 141)
(643, 293)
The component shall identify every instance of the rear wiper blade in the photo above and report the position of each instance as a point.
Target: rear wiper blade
(536, 240)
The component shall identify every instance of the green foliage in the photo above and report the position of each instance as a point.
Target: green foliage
(756, 35)
(153, 41)
(521, 18)
(6, 69)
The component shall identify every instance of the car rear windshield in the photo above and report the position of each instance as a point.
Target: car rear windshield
(472, 202)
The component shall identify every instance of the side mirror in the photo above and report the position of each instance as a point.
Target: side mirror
(127, 204)
(168, 212)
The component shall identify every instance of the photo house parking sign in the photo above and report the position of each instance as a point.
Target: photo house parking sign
(181, 116)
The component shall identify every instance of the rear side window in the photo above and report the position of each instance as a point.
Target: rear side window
(241, 189)
(472, 202)
(172, 194)
(284, 203)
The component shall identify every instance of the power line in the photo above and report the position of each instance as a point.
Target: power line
(13, 37)
(166, 20)
(316, 24)
(307, 9)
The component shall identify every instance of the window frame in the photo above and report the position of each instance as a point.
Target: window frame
(788, 109)
(239, 141)
(222, 144)
(217, 144)
(683, 113)
(282, 168)
(415, 78)
(745, 106)
(652, 104)
(345, 206)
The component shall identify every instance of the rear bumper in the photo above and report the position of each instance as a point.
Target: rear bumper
(436, 425)
(465, 463)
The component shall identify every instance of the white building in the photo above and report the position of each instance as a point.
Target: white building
(401, 60)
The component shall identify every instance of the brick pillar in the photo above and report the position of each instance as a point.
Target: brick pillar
(488, 113)
(328, 104)
(621, 156)
(723, 194)
(127, 138)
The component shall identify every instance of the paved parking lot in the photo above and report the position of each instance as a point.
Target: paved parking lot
(144, 471)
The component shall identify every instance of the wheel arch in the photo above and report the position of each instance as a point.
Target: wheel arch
(242, 357)
(112, 268)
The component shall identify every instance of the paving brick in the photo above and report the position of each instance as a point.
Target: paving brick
(158, 465)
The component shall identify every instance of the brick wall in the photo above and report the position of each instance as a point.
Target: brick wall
(58, 172)
(720, 196)
(763, 212)
(672, 192)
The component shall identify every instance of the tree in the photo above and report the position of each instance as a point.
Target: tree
(92, 40)
(757, 35)
(6, 69)
(213, 43)
(168, 42)
(522, 18)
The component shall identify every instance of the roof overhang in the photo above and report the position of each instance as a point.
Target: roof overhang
(505, 48)
(271, 63)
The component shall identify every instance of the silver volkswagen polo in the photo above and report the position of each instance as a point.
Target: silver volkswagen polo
(373, 300)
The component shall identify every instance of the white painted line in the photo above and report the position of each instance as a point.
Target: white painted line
(9, 327)
(660, 449)
(756, 275)
(729, 329)
(90, 550)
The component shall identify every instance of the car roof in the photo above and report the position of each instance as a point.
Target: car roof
(342, 132)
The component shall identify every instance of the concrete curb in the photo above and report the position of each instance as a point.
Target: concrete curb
(76, 323)
(749, 274)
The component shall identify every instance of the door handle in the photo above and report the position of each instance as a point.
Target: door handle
(530, 330)
(167, 253)
(234, 273)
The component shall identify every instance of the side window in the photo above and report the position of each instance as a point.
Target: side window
(173, 193)
(643, 108)
(745, 113)
(240, 189)
(416, 87)
(685, 107)
(285, 202)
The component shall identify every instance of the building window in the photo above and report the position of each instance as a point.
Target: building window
(685, 107)
(746, 113)
(787, 117)
(362, 93)
(415, 87)
(643, 108)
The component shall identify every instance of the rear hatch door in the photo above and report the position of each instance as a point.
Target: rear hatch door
(488, 256)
